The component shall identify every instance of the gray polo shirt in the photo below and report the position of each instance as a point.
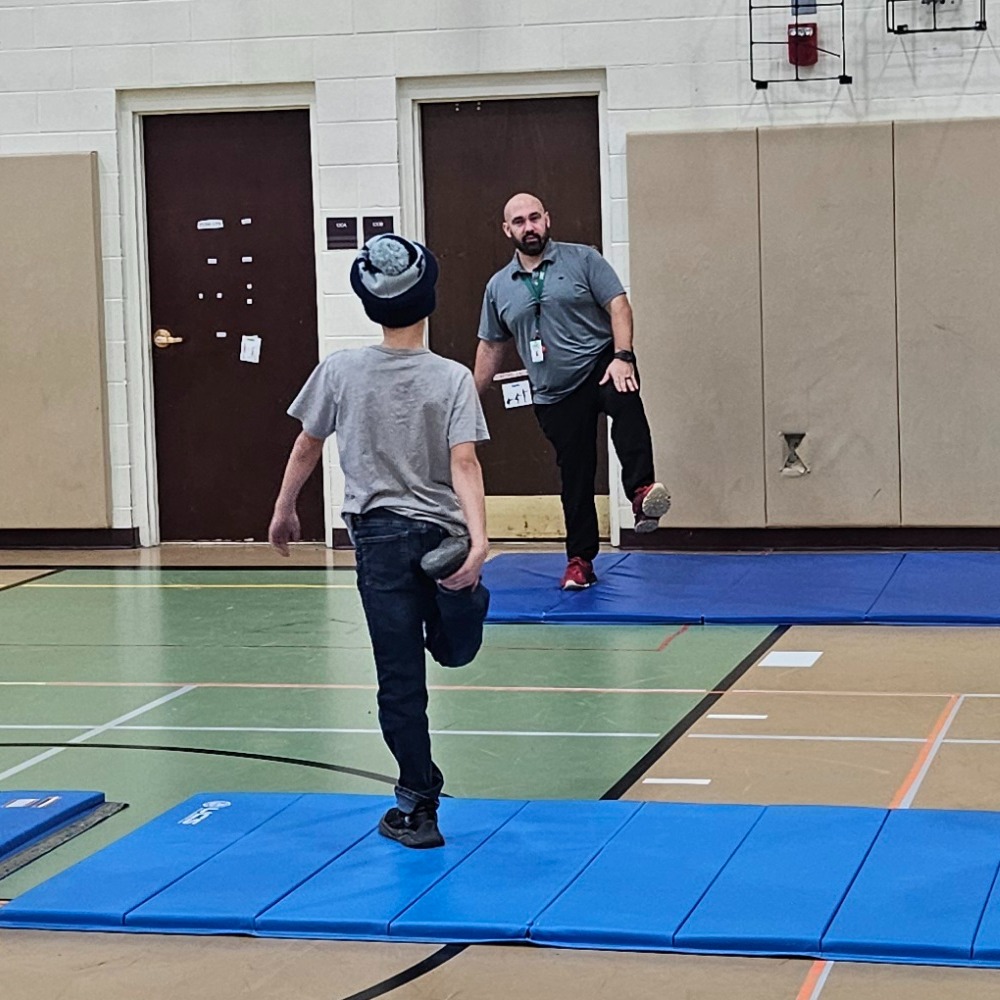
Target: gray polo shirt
(573, 321)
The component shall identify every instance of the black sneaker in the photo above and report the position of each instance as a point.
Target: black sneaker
(447, 558)
(416, 829)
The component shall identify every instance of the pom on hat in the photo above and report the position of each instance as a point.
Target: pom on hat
(390, 256)
(394, 278)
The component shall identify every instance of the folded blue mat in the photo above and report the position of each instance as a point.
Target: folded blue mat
(905, 886)
(779, 892)
(805, 587)
(503, 886)
(922, 891)
(662, 588)
(524, 587)
(282, 853)
(986, 947)
(647, 879)
(645, 588)
(27, 816)
(98, 892)
(365, 889)
(946, 588)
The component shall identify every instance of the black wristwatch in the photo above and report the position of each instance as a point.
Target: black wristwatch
(625, 356)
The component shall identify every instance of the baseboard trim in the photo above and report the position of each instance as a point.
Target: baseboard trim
(69, 538)
(790, 539)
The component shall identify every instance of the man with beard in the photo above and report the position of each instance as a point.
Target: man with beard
(571, 322)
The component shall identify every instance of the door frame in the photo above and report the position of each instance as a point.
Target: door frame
(132, 107)
(411, 92)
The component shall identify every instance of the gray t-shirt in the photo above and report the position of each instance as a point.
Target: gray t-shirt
(572, 318)
(397, 415)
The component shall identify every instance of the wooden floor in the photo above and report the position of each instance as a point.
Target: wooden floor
(901, 716)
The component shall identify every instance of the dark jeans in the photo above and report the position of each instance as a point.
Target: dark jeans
(408, 612)
(571, 427)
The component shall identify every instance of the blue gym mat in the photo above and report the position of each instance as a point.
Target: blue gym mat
(942, 587)
(781, 587)
(28, 816)
(904, 886)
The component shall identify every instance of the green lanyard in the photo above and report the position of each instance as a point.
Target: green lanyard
(536, 284)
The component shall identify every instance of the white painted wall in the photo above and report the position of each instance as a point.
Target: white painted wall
(669, 65)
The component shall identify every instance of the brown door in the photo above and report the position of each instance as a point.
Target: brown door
(231, 256)
(476, 154)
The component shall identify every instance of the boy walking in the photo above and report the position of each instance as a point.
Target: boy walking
(407, 422)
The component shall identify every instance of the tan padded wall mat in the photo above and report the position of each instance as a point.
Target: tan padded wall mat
(54, 470)
(829, 319)
(948, 259)
(695, 289)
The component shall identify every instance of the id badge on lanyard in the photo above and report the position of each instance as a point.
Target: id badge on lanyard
(536, 283)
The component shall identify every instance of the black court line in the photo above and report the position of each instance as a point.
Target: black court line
(59, 837)
(429, 964)
(448, 952)
(618, 789)
(21, 583)
(272, 758)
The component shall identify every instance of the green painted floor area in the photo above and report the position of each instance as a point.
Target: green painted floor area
(278, 663)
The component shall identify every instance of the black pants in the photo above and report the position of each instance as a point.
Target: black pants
(571, 426)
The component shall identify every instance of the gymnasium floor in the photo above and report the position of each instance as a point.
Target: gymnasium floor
(151, 682)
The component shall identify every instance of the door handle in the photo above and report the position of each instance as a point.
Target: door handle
(164, 338)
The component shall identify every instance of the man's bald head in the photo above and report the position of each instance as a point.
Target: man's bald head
(526, 223)
(522, 204)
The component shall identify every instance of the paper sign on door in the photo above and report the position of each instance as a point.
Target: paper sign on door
(516, 394)
(250, 349)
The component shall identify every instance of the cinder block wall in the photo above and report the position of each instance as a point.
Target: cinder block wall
(669, 66)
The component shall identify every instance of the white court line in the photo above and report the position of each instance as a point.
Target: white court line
(907, 800)
(45, 726)
(375, 732)
(264, 685)
(307, 730)
(790, 658)
(821, 982)
(96, 731)
(735, 718)
(805, 739)
(677, 781)
(906, 803)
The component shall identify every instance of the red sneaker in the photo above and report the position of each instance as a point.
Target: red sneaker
(579, 574)
(649, 504)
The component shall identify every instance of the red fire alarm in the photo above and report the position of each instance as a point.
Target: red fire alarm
(803, 44)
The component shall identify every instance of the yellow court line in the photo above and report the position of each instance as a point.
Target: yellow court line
(190, 586)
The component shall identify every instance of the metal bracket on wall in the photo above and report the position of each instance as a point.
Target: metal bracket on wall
(793, 464)
(925, 16)
(770, 23)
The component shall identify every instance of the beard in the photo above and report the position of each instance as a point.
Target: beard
(532, 245)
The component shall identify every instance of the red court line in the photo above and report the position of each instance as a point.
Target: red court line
(904, 788)
(670, 638)
(816, 970)
(808, 990)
